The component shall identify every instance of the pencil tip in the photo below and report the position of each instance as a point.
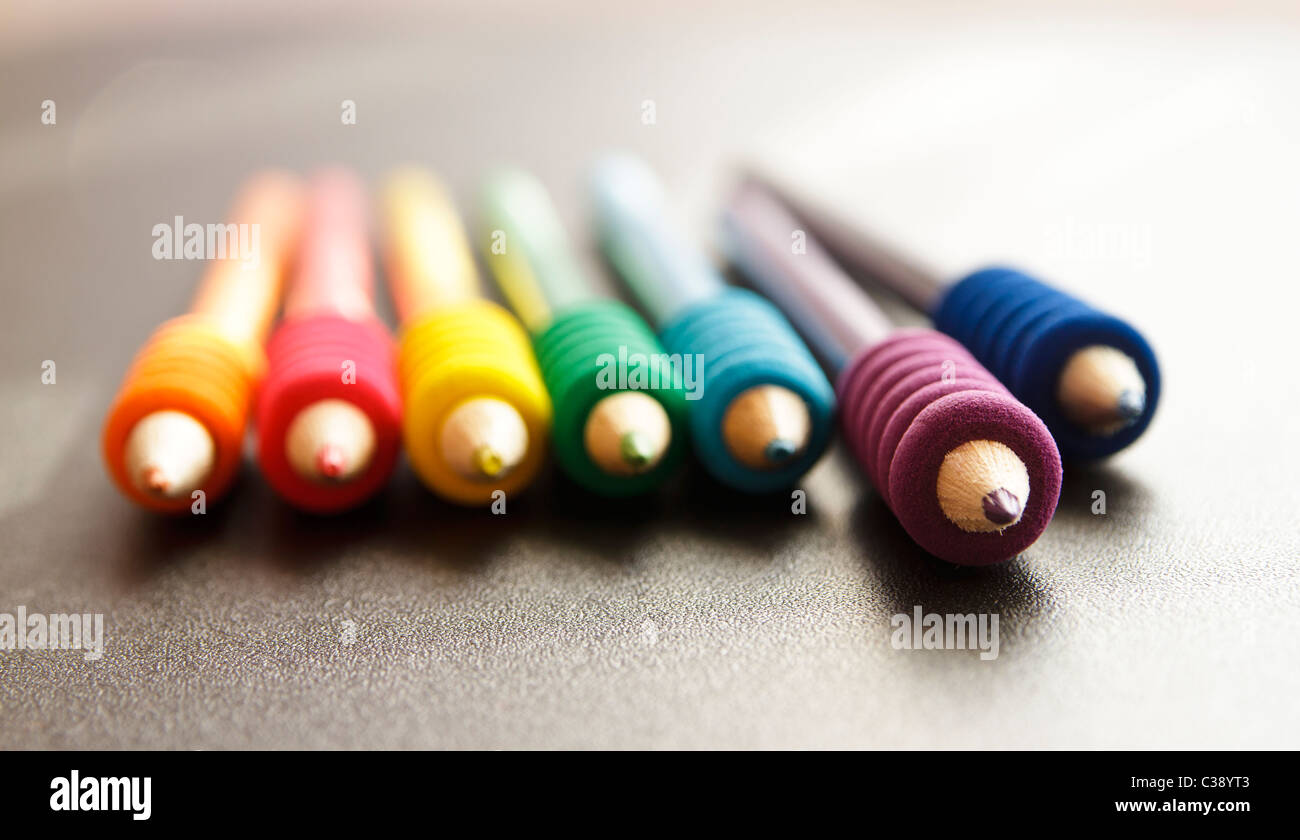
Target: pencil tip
(965, 476)
(779, 450)
(488, 461)
(765, 426)
(1001, 507)
(1101, 390)
(1131, 404)
(168, 454)
(627, 433)
(636, 449)
(484, 439)
(155, 480)
(330, 460)
(330, 441)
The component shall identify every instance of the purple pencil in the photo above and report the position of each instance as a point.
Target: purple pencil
(971, 473)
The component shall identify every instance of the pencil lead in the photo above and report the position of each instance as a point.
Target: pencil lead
(627, 433)
(963, 489)
(330, 441)
(155, 480)
(1131, 404)
(1001, 507)
(330, 460)
(488, 461)
(169, 454)
(484, 438)
(636, 449)
(780, 450)
(765, 426)
(1101, 390)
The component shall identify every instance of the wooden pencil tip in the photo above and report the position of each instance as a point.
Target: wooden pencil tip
(484, 439)
(765, 426)
(983, 486)
(1101, 390)
(168, 454)
(627, 433)
(330, 441)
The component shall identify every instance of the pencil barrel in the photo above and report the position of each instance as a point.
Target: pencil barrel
(426, 252)
(908, 401)
(665, 273)
(240, 296)
(578, 354)
(333, 271)
(527, 250)
(187, 365)
(1025, 331)
(737, 340)
(460, 352)
(320, 358)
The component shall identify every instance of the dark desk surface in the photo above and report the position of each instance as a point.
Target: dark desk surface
(1147, 165)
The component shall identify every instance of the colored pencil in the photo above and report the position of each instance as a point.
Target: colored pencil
(764, 407)
(972, 475)
(1090, 376)
(329, 411)
(614, 434)
(476, 410)
(176, 427)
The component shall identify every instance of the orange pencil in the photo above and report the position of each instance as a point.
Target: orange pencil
(177, 424)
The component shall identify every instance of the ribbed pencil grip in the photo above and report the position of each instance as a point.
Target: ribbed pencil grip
(908, 401)
(742, 341)
(1024, 331)
(187, 365)
(574, 352)
(462, 352)
(319, 358)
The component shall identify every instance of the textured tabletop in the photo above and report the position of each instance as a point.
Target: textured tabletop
(1146, 163)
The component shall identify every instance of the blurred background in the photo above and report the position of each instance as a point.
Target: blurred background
(1141, 154)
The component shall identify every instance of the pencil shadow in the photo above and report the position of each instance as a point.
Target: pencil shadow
(1083, 480)
(409, 521)
(141, 544)
(908, 576)
(754, 522)
(591, 525)
(403, 520)
(126, 543)
(251, 524)
(301, 541)
(691, 504)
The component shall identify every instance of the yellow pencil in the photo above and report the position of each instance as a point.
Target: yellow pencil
(476, 413)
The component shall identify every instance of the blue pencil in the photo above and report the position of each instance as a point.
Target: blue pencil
(761, 411)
